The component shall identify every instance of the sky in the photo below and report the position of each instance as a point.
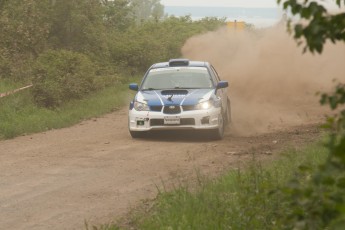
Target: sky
(330, 4)
(228, 3)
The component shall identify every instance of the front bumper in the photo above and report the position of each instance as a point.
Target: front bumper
(196, 119)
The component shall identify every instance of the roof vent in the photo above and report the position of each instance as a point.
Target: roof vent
(178, 62)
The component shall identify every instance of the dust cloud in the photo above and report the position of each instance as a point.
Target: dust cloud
(273, 85)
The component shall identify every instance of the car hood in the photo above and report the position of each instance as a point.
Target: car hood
(174, 96)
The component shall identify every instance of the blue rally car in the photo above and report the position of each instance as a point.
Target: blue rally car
(180, 94)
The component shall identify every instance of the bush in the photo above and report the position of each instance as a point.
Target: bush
(139, 47)
(316, 199)
(59, 76)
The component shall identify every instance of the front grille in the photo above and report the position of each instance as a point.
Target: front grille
(187, 121)
(160, 122)
(156, 108)
(188, 107)
(156, 122)
(172, 109)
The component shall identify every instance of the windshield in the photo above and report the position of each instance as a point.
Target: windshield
(177, 78)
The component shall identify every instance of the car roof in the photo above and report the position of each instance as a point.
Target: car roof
(188, 64)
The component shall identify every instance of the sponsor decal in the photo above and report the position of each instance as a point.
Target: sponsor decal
(175, 96)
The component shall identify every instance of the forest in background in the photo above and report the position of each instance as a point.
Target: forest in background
(70, 48)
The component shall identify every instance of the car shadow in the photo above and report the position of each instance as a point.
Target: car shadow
(178, 136)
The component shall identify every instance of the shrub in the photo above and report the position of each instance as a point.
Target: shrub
(59, 76)
(139, 47)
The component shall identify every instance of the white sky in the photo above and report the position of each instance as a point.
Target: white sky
(231, 3)
(238, 3)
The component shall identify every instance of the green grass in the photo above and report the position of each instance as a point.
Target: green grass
(7, 85)
(248, 199)
(19, 115)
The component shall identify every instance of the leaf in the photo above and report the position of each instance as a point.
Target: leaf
(304, 168)
(298, 31)
(306, 13)
(328, 181)
(319, 48)
(333, 102)
(337, 223)
(341, 183)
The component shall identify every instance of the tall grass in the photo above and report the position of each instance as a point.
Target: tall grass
(20, 115)
(8, 85)
(247, 199)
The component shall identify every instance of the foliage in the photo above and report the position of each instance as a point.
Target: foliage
(118, 14)
(27, 22)
(60, 76)
(317, 200)
(321, 25)
(147, 10)
(8, 85)
(152, 41)
(20, 115)
(24, 27)
(118, 37)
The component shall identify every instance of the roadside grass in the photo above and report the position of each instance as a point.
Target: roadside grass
(7, 85)
(19, 115)
(241, 199)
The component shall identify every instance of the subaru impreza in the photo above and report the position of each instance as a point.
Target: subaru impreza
(180, 95)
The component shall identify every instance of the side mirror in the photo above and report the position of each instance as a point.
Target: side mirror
(134, 86)
(222, 85)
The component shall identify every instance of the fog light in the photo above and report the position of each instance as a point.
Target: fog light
(205, 120)
(140, 123)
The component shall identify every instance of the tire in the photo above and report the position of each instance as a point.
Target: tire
(218, 134)
(228, 118)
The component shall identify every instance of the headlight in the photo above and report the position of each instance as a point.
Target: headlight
(205, 105)
(141, 106)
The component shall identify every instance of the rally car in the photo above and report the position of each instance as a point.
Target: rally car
(179, 95)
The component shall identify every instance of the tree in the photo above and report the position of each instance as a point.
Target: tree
(77, 25)
(118, 14)
(321, 25)
(24, 26)
(147, 9)
(320, 204)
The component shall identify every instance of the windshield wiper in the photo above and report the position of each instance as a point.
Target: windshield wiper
(149, 89)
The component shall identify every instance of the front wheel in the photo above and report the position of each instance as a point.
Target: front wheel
(228, 118)
(218, 134)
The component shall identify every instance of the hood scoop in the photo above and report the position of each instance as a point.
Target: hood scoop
(174, 92)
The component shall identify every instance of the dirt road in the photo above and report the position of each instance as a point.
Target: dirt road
(94, 171)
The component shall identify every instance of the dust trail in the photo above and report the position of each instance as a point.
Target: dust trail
(272, 83)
